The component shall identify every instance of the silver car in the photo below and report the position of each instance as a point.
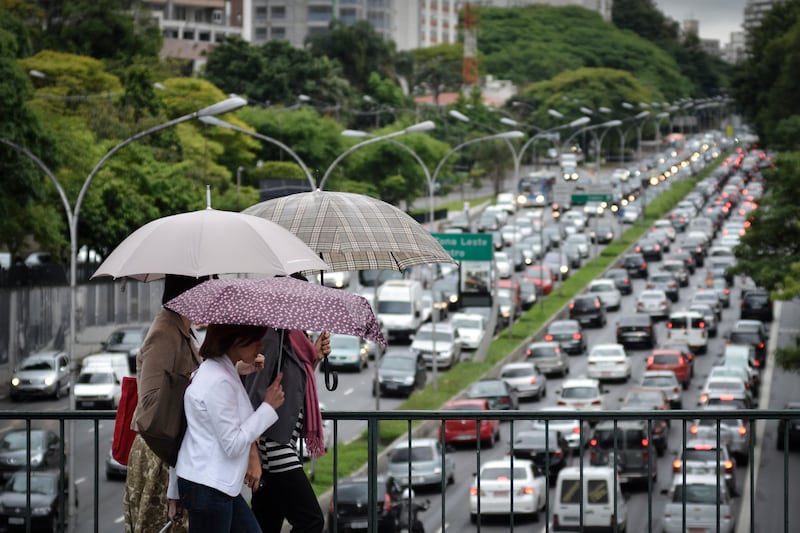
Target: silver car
(425, 458)
(653, 302)
(41, 374)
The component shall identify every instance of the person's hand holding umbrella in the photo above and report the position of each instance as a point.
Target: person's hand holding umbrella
(323, 347)
(248, 368)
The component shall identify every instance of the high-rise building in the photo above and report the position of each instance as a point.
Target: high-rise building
(754, 13)
(734, 50)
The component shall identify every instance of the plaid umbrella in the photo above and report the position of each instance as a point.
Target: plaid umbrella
(353, 231)
(284, 303)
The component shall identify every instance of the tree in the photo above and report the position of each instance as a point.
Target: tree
(438, 68)
(766, 84)
(358, 47)
(771, 246)
(644, 19)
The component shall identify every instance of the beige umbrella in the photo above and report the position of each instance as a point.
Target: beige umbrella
(206, 242)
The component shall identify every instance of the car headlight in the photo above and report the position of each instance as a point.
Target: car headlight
(408, 380)
(15, 381)
(49, 380)
(37, 459)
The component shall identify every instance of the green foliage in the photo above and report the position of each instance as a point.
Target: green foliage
(438, 68)
(787, 134)
(535, 43)
(13, 13)
(358, 48)
(766, 84)
(771, 247)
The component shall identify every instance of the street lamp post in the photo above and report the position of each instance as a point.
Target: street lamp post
(416, 128)
(72, 215)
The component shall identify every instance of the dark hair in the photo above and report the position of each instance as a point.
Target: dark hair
(175, 285)
(221, 337)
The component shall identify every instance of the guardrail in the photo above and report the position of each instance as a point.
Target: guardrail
(375, 447)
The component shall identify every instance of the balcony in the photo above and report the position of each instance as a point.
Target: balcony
(760, 503)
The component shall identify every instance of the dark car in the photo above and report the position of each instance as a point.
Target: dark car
(678, 269)
(500, 394)
(635, 264)
(636, 329)
(622, 280)
(793, 429)
(349, 511)
(47, 493)
(666, 282)
(756, 304)
(44, 450)
(632, 446)
(602, 234)
(650, 248)
(547, 450)
(686, 257)
(697, 246)
(751, 332)
(126, 340)
(588, 309)
(567, 333)
(401, 374)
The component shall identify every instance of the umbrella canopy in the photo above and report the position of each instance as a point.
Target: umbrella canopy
(206, 242)
(353, 231)
(284, 303)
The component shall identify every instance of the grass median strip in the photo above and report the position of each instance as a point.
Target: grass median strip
(352, 456)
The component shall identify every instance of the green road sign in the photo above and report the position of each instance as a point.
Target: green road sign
(467, 246)
(583, 198)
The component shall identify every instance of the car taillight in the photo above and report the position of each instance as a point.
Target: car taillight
(528, 352)
(645, 443)
(526, 490)
(597, 402)
(387, 503)
(702, 324)
(473, 491)
(676, 390)
(757, 363)
(597, 304)
(742, 430)
(504, 400)
(533, 380)
(694, 429)
(577, 336)
(728, 465)
(669, 325)
(676, 465)
(703, 398)
(644, 265)
(559, 453)
(571, 305)
(561, 402)
(548, 337)
(760, 345)
(576, 429)
(593, 442)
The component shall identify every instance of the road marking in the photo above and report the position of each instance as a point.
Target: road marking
(743, 523)
(119, 519)
(80, 480)
(351, 390)
(441, 529)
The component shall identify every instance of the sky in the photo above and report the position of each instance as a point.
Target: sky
(718, 18)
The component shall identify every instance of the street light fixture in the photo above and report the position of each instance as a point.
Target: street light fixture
(555, 114)
(416, 128)
(225, 106)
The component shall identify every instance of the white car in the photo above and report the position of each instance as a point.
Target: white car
(526, 379)
(630, 214)
(444, 341)
(607, 291)
(583, 394)
(97, 387)
(653, 302)
(666, 225)
(582, 242)
(666, 381)
(576, 218)
(609, 361)
(698, 496)
(336, 280)
(495, 489)
(502, 263)
(471, 328)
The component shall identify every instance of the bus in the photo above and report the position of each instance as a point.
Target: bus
(535, 189)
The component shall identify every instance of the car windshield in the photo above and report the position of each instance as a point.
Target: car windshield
(418, 453)
(695, 494)
(556, 328)
(666, 359)
(745, 337)
(644, 398)
(344, 343)
(601, 287)
(544, 351)
(609, 351)
(397, 363)
(488, 387)
(658, 381)
(96, 378)
(535, 439)
(126, 337)
(466, 323)
(394, 308)
(17, 441)
(705, 455)
(39, 484)
(496, 473)
(517, 372)
(427, 335)
(37, 364)
(579, 393)
(626, 438)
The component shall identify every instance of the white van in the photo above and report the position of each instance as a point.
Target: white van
(690, 328)
(599, 486)
(400, 304)
(118, 362)
(98, 386)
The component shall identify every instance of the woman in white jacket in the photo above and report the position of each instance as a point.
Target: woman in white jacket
(221, 429)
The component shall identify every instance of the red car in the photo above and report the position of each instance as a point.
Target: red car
(456, 431)
(671, 360)
(542, 278)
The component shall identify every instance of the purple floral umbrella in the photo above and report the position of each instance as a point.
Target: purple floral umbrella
(282, 303)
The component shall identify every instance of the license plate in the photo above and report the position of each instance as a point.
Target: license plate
(501, 493)
(358, 525)
(15, 520)
(697, 530)
(605, 373)
(87, 404)
(391, 386)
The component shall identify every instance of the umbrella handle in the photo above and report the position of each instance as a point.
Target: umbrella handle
(331, 377)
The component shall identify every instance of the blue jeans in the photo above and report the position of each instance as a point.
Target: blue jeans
(212, 511)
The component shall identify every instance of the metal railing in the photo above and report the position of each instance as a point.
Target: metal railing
(427, 423)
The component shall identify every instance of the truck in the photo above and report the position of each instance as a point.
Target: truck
(399, 304)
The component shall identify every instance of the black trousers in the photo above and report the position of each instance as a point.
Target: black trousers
(287, 495)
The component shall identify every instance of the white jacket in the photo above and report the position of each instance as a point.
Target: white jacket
(221, 426)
